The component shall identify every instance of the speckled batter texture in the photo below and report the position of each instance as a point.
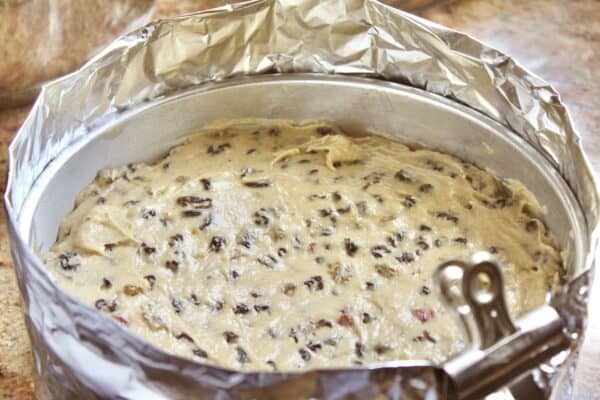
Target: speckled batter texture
(279, 247)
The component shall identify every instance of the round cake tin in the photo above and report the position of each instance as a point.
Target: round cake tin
(357, 105)
(357, 63)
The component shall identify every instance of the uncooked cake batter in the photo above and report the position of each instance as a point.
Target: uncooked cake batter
(279, 247)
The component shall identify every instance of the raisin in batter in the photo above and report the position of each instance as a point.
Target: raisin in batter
(282, 247)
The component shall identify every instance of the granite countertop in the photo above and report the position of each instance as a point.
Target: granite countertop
(558, 40)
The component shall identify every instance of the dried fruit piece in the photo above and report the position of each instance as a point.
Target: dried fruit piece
(198, 352)
(314, 283)
(314, 347)
(350, 246)
(429, 337)
(289, 289)
(403, 176)
(359, 349)
(206, 222)
(381, 349)
(341, 272)
(395, 239)
(195, 201)
(261, 183)
(191, 213)
(460, 240)
(173, 265)
(217, 243)
(108, 306)
(68, 261)
(205, 183)
(268, 261)
(261, 218)
(241, 308)
(323, 323)
(531, 226)
(379, 251)
(177, 238)
(217, 149)
(385, 270)
(177, 305)
(447, 216)
(147, 214)
(409, 201)
(406, 258)
(345, 319)
(184, 336)
(148, 249)
(261, 308)
(230, 337)
(132, 290)
(423, 314)
(426, 188)
(304, 354)
(242, 356)
(422, 243)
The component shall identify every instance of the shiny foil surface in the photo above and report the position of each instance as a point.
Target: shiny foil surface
(80, 355)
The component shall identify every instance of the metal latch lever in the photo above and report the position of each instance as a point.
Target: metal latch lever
(501, 353)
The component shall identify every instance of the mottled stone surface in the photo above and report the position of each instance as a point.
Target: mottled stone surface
(15, 359)
(557, 39)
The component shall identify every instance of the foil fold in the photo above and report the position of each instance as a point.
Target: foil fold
(353, 37)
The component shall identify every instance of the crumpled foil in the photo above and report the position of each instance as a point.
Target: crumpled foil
(79, 355)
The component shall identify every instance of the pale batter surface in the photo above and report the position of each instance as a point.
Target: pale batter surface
(278, 247)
